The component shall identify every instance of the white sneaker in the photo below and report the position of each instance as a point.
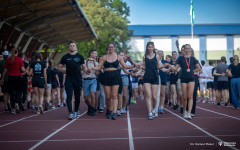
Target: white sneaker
(53, 107)
(189, 116)
(123, 111)
(185, 115)
(203, 101)
(50, 104)
(118, 112)
(192, 115)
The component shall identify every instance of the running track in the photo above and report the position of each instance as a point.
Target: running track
(131, 131)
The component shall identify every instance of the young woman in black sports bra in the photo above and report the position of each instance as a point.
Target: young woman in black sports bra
(151, 64)
(111, 78)
(188, 65)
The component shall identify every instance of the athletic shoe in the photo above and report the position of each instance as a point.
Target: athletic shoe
(192, 115)
(177, 106)
(189, 116)
(22, 107)
(50, 104)
(89, 109)
(203, 101)
(132, 100)
(28, 105)
(181, 110)
(226, 104)
(170, 104)
(71, 117)
(101, 110)
(119, 112)
(123, 111)
(185, 115)
(108, 114)
(6, 110)
(212, 102)
(78, 113)
(33, 109)
(64, 104)
(46, 107)
(14, 112)
(17, 108)
(218, 104)
(53, 107)
(160, 111)
(41, 109)
(59, 104)
(114, 116)
(153, 113)
(94, 112)
(150, 117)
(174, 107)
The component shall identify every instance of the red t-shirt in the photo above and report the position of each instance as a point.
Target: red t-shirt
(15, 68)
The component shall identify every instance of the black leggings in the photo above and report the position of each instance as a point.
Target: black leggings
(71, 86)
(15, 89)
(194, 94)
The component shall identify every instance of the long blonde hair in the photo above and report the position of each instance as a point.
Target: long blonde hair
(236, 60)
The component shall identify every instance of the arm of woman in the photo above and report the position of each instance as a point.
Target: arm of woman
(45, 75)
(124, 64)
(99, 67)
(56, 76)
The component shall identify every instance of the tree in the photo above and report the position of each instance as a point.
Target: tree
(109, 20)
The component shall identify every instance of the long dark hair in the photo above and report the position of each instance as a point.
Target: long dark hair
(147, 52)
(13, 54)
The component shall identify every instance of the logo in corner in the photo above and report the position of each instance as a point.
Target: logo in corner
(220, 143)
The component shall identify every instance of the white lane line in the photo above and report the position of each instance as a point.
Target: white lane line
(25, 118)
(216, 138)
(218, 113)
(104, 139)
(45, 139)
(131, 144)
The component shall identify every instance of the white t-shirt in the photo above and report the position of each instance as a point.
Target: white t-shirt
(122, 72)
(209, 73)
(204, 74)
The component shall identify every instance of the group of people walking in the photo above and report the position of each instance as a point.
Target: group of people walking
(105, 80)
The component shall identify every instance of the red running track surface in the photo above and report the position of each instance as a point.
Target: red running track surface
(210, 127)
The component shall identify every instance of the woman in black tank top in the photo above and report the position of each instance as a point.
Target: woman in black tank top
(111, 78)
(151, 64)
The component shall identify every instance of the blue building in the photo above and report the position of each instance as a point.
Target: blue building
(210, 41)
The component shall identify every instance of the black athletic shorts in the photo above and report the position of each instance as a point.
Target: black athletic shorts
(163, 83)
(54, 85)
(222, 85)
(210, 85)
(38, 81)
(187, 80)
(151, 81)
(140, 81)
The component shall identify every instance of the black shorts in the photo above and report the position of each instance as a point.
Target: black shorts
(140, 81)
(187, 80)
(38, 81)
(210, 85)
(173, 79)
(5, 88)
(151, 81)
(163, 83)
(54, 85)
(222, 85)
(61, 85)
(215, 85)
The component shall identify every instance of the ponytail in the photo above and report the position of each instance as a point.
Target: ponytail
(13, 54)
(236, 60)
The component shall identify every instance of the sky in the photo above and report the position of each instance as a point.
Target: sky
(178, 11)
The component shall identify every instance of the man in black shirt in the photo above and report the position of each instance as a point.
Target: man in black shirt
(73, 62)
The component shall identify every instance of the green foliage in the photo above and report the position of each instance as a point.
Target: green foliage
(109, 20)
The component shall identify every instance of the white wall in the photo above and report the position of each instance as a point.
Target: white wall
(216, 42)
(188, 40)
(136, 43)
(162, 42)
(236, 42)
